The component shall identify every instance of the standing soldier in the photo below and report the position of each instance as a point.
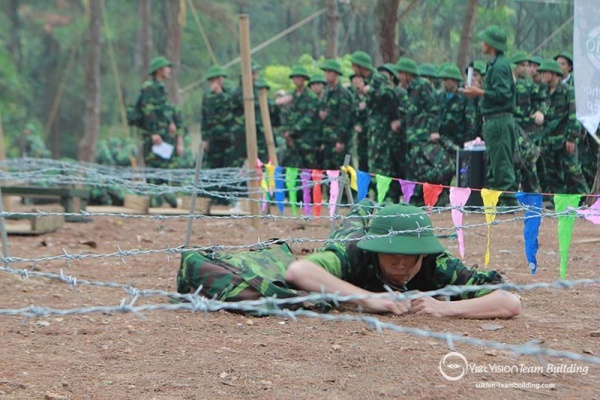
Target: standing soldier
(561, 134)
(534, 63)
(479, 68)
(159, 119)
(336, 114)
(565, 61)
(360, 120)
(429, 73)
(299, 129)
(428, 157)
(317, 83)
(497, 108)
(383, 119)
(31, 145)
(457, 113)
(529, 116)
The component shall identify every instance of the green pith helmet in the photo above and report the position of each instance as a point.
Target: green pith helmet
(565, 54)
(299, 71)
(536, 60)
(413, 232)
(428, 71)
(332, 65)
(495, 37)
(317, 78)
(389, 67)
(407, 65)
(255, 66)
(362, 59)
(262, 84)
(157, 63)
(550, 66)
(215, 72)
(519, 57)
(30, 126)
(450, 72)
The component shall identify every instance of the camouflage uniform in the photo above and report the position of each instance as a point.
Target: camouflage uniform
(217, 129)
(337, 125)
(529, 99)
(300, 123)
(457, 117)
(239, 127)
(360, 119)
(33, 146)
(563, 170)
(343, 259)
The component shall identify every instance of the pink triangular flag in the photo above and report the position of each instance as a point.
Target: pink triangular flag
(334, 190)
(458, 199)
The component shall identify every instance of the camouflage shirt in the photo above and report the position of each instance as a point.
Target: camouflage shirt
(33, 146)
(560, 123)
(346, 261)
(529, 99)
(457, 117)
(422, 111)
(156, 108)
(302, 116)
(217, 116)
(337, 125)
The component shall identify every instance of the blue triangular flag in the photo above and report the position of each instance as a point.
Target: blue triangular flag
(533, 218)
(363, 180)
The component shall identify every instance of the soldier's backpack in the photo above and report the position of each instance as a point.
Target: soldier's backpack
(246, 275)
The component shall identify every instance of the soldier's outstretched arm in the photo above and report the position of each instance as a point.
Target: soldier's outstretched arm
(497, 304)
(306, 275)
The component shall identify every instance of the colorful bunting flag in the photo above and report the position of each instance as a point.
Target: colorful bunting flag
(431, 194)
(458, 199)
(352, 173)
(334, 190)
(279, 188)
(317, 177)
(408, 189)
(364, 180)
(490, 200)
(562, 203)
(592, 214)
(383, 184)
(270, 177)
(291, 176)
(531, 229)
(305, 176)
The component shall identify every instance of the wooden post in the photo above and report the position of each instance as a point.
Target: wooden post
(252, 151)
(199, 158)
(266, 120)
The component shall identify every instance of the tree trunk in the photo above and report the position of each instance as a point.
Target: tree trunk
(332, 29)
(14, 45)
(465, 35)
(386, 17)
(174, 48)
(89, 141)
(143, 51)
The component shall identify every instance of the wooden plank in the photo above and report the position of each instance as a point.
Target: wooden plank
(113, 210)
(141, 203)
(35, 225)
(202, 204)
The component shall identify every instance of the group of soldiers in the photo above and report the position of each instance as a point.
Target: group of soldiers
(408, 121)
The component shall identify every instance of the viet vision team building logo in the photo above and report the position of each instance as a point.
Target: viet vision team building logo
(454, 366)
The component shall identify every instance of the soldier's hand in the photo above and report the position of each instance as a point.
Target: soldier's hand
(339, 147)
(323, 114)
(539, 117)
(358, 128)
(284, 100)
(472, 91)
(172, 129)
(362, 105)
(434, 137)
(570, 147)
(430, 306)
(395, 125)
(156, 139)
(179, 149)
(397, 307)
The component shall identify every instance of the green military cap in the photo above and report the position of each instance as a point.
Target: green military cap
(550, 66)
(389, 67)
(565, 54)
(157, 63)
(114, 142)
(332, 65)
(450, 72)
(215, 72)
(414, 232)
(428, 70)
(479, 66)
(262, 84)
(255, 66)
(317, 78)
(298, 70)
(536, 60)
(405, 64)
(495, 37)
(519, 57)
(362, 59)
(30, 126)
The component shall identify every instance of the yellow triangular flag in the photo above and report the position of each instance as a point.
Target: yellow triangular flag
(490, 200)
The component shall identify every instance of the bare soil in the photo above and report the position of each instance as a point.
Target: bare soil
(182, 355)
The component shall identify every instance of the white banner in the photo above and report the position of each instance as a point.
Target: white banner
(586, 62)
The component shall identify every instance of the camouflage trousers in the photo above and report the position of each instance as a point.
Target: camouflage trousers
(526, 157)
(563, 171)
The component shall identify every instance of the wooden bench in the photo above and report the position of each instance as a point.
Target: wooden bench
(73, 200)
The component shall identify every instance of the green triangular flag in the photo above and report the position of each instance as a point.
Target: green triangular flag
(383, 184)
(291, 177)
(565, 226)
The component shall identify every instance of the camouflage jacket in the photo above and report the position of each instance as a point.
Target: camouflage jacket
(104, 155)
(422, 111)
(457, 117)
(560, 123)
(302, 116)
(217, 116)
(382, 108)
(529, 99)
(33, 146)
(499, 85)
(157, 110)
(337, 125)
(343, 259)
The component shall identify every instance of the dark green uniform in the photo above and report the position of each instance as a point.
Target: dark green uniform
(499, 129)
(563, 170)
(33, 146)
(217, 129)
(239, 127)
(301, 124)
(337, 125)
(457, 117)
(361, 134)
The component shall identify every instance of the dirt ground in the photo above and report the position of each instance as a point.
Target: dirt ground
(181, 355)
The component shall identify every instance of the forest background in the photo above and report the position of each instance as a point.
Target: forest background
(71, 66)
